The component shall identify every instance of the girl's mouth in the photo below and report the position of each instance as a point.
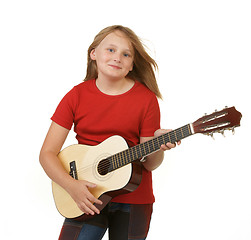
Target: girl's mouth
(114, 66)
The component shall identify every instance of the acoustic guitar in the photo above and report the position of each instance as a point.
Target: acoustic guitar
(115, 168)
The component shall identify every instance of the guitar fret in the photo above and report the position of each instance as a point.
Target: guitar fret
(175, 135)
(144, 149)
(120, 160)
(116, 161)
(158, 142)
(163, 139)
(152, 145)
(140, 152)
(182, 132)
(134, 153)
(178, 134)
(113, 164)
(132, 157)
(123, 158)
(127, 153)
(128, 156)
(189, 129)
(169, 137)
(149, 147)
(155, 145)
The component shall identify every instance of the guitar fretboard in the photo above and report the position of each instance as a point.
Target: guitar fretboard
(139, 151)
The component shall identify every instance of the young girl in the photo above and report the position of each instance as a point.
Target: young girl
(118, 97)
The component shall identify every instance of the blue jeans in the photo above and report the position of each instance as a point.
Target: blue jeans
(123, 221)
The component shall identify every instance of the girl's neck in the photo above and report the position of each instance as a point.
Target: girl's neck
(114, 86)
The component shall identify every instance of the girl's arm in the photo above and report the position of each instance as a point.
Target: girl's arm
(48, 158)
(154, 160)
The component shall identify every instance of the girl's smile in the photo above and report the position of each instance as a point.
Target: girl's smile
(114, 66)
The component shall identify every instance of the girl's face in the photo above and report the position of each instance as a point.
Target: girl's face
(113, 56)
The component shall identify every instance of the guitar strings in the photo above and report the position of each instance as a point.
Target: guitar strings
(108, 163)
(114, 158)
(119, 162)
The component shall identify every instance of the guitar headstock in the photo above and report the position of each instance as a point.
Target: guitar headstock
(219, 121)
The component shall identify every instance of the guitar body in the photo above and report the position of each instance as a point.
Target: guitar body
(86, 160)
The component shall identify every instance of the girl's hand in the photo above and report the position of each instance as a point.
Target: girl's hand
(82, 196)
(169, 145)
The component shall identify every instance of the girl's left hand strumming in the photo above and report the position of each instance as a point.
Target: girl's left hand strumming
(169, 145)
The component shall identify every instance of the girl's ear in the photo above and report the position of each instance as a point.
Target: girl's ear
(93, 54)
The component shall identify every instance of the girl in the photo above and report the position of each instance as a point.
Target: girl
(118, 97)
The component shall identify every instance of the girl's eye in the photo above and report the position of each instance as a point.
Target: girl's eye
(111, 50)
(126, 55)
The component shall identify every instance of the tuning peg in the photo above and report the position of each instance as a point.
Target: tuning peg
(212, 135)
(233, 131)
(226, 107)
(222, 132)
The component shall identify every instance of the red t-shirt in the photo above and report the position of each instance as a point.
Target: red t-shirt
(97, 116)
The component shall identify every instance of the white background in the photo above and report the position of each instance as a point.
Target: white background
(203, 188)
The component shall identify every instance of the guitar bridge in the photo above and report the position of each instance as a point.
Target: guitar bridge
(73, 172)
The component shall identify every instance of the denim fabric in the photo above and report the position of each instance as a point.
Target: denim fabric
(123, 221)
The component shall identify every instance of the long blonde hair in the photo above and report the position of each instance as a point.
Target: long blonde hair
(143, 64)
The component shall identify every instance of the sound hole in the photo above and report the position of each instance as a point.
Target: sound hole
(103, 167)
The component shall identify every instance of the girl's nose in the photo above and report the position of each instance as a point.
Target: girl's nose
(117, 58)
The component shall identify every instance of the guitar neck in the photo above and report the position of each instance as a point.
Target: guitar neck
(144, 149)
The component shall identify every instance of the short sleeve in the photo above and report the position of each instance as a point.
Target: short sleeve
(65, 111)
(151, 121)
